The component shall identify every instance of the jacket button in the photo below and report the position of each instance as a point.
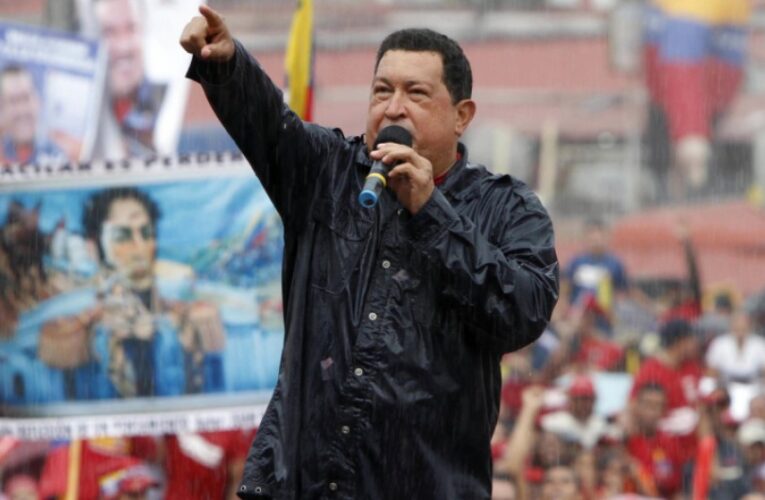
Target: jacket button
(345, 429)
(386, 264)
(333, 486)
(358, 372)
(372, 316)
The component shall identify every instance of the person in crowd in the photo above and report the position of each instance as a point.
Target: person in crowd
(592, 348)
(578, 422)
(596, 272)
(660, 456)
(737, 356)
(725, 477)
(23, 139)
(619, 475)
(717, 320)
(133, 101)
(561, 483)
(531, 450)
(675, 367)
(396, 316)
(751, 437)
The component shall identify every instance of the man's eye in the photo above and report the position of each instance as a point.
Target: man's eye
(380, 91)
(147, 232)
(122, 234)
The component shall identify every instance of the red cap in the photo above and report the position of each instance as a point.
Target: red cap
(581, 386)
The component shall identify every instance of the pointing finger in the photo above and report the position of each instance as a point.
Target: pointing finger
(214, 20)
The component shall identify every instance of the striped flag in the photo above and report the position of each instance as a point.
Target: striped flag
(298, 61)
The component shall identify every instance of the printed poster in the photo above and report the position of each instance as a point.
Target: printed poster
(50, 84)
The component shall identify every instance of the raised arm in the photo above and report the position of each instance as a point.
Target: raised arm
(285, 153)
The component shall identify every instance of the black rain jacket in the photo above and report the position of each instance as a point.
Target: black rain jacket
(395, 324)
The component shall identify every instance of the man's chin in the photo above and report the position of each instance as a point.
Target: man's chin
(141, 281)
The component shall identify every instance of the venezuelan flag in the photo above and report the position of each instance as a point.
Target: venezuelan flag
(299, 61)
(695, 52)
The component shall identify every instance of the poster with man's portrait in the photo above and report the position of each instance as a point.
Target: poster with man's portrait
(140, 281)
(50, 84)
(145, 86)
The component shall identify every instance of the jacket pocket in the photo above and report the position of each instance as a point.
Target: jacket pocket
(340, 242)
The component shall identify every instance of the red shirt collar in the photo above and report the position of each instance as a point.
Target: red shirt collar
(439, 179)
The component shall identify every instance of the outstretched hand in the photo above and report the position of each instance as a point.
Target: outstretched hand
(207, 37)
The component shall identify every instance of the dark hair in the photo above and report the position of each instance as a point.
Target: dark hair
(651, 385)
(457, 75)
(674, 331)
(97, 210)
(724, 302)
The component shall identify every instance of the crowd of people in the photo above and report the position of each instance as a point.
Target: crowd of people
(631, 393)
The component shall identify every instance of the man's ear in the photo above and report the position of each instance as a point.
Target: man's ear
(465, 112)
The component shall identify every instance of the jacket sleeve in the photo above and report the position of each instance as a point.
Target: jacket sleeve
(504, 288)
(286, 154)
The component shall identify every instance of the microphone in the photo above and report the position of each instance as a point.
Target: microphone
(377, 178)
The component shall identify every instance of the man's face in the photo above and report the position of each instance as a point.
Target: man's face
(581, 406)
(408, 90)
(689, 348)
(757, 407)
(560, 484)
(597, 239)
(129, 243)
(120, 30)
(740, 325)
(649, 409)
(19, 105)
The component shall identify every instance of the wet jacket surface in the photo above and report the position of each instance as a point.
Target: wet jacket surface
(394, 324)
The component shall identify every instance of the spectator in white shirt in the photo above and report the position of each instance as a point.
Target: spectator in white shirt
(738, 356)
(578, 422)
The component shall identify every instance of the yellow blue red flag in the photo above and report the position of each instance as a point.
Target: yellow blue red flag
(298, 61)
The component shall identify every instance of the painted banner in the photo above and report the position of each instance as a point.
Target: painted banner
(50, 84)
(144, 287)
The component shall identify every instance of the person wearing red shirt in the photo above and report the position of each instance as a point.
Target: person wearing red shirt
(675, 368)
(659, 455)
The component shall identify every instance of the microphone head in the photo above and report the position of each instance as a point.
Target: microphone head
(368, 198)
(394, 134)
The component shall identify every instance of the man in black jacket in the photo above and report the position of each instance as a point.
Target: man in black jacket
(396, 316)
